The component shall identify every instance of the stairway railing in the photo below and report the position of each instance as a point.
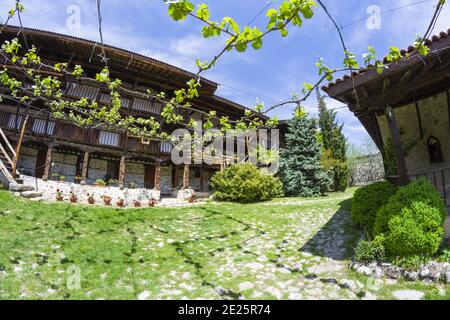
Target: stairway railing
(5, 171)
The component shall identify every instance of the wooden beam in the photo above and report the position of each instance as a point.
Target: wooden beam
(158, 175)
(19, 145)
(448, 106)
(419, 118)
(186, 176)
(398, 148)
(122, 169)
(48, 162)
(201, 177)
(84, 172)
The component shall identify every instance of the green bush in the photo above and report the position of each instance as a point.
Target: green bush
(417, 230)
(421, 190)
(369, 251)
(368, 200)
(245, 183)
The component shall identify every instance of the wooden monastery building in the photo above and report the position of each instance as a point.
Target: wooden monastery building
(53, 147)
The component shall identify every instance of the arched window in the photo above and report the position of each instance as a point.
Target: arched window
(434, 150)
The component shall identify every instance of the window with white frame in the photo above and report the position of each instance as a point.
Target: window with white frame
(109, 138)
(13, 123)
(39, 126)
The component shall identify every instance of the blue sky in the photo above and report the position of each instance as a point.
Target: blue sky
(271, 74)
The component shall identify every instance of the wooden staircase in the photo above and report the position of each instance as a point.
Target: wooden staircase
(7, 156)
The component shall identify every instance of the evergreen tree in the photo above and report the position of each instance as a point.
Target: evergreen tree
(334, 159)
(300, 163)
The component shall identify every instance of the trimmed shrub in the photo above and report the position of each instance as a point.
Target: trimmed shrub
(245, 183)
(416, 231)
(369, 251)
(421, 190)
(368, 200)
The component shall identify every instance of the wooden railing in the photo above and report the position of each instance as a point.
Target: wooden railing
(64, 131)
(8, 154)
(440, 178)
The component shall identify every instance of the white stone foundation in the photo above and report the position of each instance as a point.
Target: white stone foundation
(185, 194)
(49, 189)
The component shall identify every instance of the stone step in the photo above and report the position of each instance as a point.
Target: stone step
(31, 194)
(17, 187)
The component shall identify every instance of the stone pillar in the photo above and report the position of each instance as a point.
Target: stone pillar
(84, 171)
(158, 175)
(122, 167)
(186, 176)
(48, 162)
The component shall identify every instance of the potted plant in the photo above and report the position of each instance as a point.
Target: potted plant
(59, 196)
(62, 178)
(73, 197)
(137, 203)
(113, 182)
(191, 199)
(120, 202)
(91, 198)
(152, 202)
(100, 183)
(107, 200)
(54, 176)
(132, 185)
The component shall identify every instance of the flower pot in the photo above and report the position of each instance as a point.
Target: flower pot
(137, 204)
(91, 201)
(107, 201)
(73, 200)
(120, 204)
(59, 198)
(151, 203)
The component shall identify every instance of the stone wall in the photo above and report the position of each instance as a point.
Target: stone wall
(64, 164)
(27, 160)
(97, 170)
(434, 116)
(49, 188)
(134, 172)
(166, 179)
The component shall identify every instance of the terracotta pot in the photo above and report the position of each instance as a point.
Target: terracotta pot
(91, 201)
(107, 201)
(73, 200)
(191, 199)
(59, 198)
(151, 203)
(120, 204)
(137, 204)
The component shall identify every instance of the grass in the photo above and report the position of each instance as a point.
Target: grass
(206, 251)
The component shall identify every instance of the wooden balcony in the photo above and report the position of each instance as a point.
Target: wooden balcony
(61, 131)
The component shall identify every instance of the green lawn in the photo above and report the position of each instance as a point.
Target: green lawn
(288, 248)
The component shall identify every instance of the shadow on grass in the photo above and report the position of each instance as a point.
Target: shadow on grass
(337, 238)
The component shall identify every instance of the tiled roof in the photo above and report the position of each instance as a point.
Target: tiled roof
(428, 42)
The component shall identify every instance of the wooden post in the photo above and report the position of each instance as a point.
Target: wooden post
(403, 178)
(201, 178)
(19, 145)
(84, 172)
(122, 167)
(186, 176)
(48, 162)
(158, 175)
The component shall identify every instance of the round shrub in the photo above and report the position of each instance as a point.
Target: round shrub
(245, 183)
(421, 190)
(368, 200)
(417, 230)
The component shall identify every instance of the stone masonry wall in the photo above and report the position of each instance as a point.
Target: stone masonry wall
(434, 116)
(27, 160)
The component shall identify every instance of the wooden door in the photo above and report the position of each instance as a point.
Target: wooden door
(149, 176)
(40, 163)
(112, 170)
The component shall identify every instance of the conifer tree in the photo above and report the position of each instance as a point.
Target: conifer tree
(300, 163)
(334, 159)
